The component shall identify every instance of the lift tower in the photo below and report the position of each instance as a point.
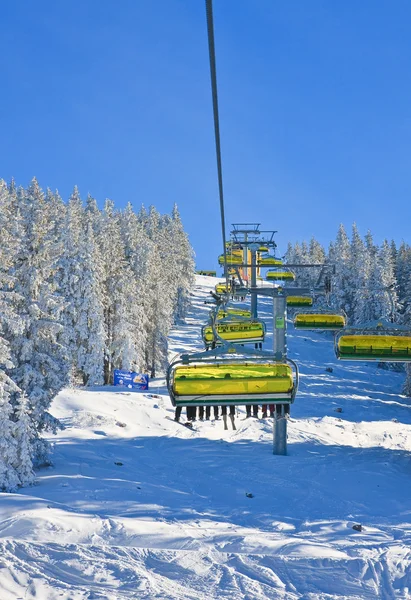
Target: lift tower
(250, 239)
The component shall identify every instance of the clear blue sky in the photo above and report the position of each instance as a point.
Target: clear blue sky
(315, 108)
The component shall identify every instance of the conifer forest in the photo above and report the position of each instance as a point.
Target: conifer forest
(370, 281)
(83, 291)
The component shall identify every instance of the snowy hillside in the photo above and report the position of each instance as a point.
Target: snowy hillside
(138, 506)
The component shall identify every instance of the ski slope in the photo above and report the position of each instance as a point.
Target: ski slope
(138, 506)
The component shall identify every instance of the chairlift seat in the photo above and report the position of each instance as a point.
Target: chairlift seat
(395, 348)
(233, 379)
(269, 261)
(319, 321)
(221, 288)
(232, 259)
(233, 312)
(280, 276)
(299, 301)
(235, 331)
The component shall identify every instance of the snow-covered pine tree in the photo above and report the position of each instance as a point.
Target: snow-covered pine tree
(184, 265)
(80, 284)
(121, 311)
(119, 288)
(394, 253)
(304, 275)
(138, 248)
(94, 215)
(9, 323)
(56, 210)
(70, 271)
(359, 277)
(389, 299)
(289, 254)
(25, 435)
(341, 253)
(160, 316)
(41, 367)
(381, 295)
(9, 479)
(316, 255)
(403, 273)
(162, 294)
(296, 257)
(90, 333)
(407, 384)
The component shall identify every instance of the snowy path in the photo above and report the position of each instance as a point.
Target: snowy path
(137, 506)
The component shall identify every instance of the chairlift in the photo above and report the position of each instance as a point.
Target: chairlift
(378, 340)
(278, 275)
(236, 291)
(263, 249)
(221, 288)
(233, 246)
(320, 319)
(267, 260)
(236, 331)
(233, 312)
(297, 301)
(231, 376)
(231, 259)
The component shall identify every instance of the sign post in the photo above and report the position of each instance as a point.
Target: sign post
(131, 379)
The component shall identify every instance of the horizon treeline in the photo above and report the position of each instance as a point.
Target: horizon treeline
(83, 291)
(370, 282)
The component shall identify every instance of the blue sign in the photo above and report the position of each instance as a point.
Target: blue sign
(132, 380)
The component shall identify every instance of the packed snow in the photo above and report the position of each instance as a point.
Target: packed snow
(138, 506)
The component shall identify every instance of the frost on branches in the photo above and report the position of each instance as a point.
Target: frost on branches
(370, 281)
(16, 467)
(83, 291)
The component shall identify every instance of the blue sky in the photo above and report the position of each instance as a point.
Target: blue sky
(315, 109)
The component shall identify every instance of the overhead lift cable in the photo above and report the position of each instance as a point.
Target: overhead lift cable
(213, 73)
(229, 373)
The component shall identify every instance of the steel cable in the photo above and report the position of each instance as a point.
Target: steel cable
(213, 73)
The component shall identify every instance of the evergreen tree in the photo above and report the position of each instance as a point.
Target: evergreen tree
(359, 269)
(403, 273)
(388, 299)
(12, 324)
(40, 362)
(24, 434)
(90, 334)
(407, 384)
(342, 293)
(121, 312)
(289, 254)
(70, 273)
(9, 479)
(184, 265)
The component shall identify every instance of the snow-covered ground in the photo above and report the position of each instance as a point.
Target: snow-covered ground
(137, 506)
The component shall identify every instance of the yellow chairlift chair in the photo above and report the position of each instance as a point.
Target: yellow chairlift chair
(233, 312)
(320, 319)
(266, 260)
(379, 340)
(280, 275)
(298, 301)
(231, 376)
(236, 331)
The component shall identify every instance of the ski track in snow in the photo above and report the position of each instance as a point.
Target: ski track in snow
(137, 506)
